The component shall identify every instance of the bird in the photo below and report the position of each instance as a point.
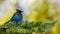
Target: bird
(17, 16)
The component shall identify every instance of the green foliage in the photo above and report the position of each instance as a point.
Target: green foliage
(27, 27)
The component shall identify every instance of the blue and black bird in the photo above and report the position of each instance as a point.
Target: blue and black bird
(17, 16)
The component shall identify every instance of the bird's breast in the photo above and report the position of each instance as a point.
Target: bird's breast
(18, 16)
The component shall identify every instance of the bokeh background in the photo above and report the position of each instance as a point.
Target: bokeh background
(38, 17)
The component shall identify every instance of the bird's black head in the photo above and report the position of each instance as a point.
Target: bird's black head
(19, 11)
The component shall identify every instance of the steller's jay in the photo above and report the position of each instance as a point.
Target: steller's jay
(17, 16)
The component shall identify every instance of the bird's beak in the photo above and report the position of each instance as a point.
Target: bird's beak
(22, 11)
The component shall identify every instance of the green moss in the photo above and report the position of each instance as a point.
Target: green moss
(25, 27)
